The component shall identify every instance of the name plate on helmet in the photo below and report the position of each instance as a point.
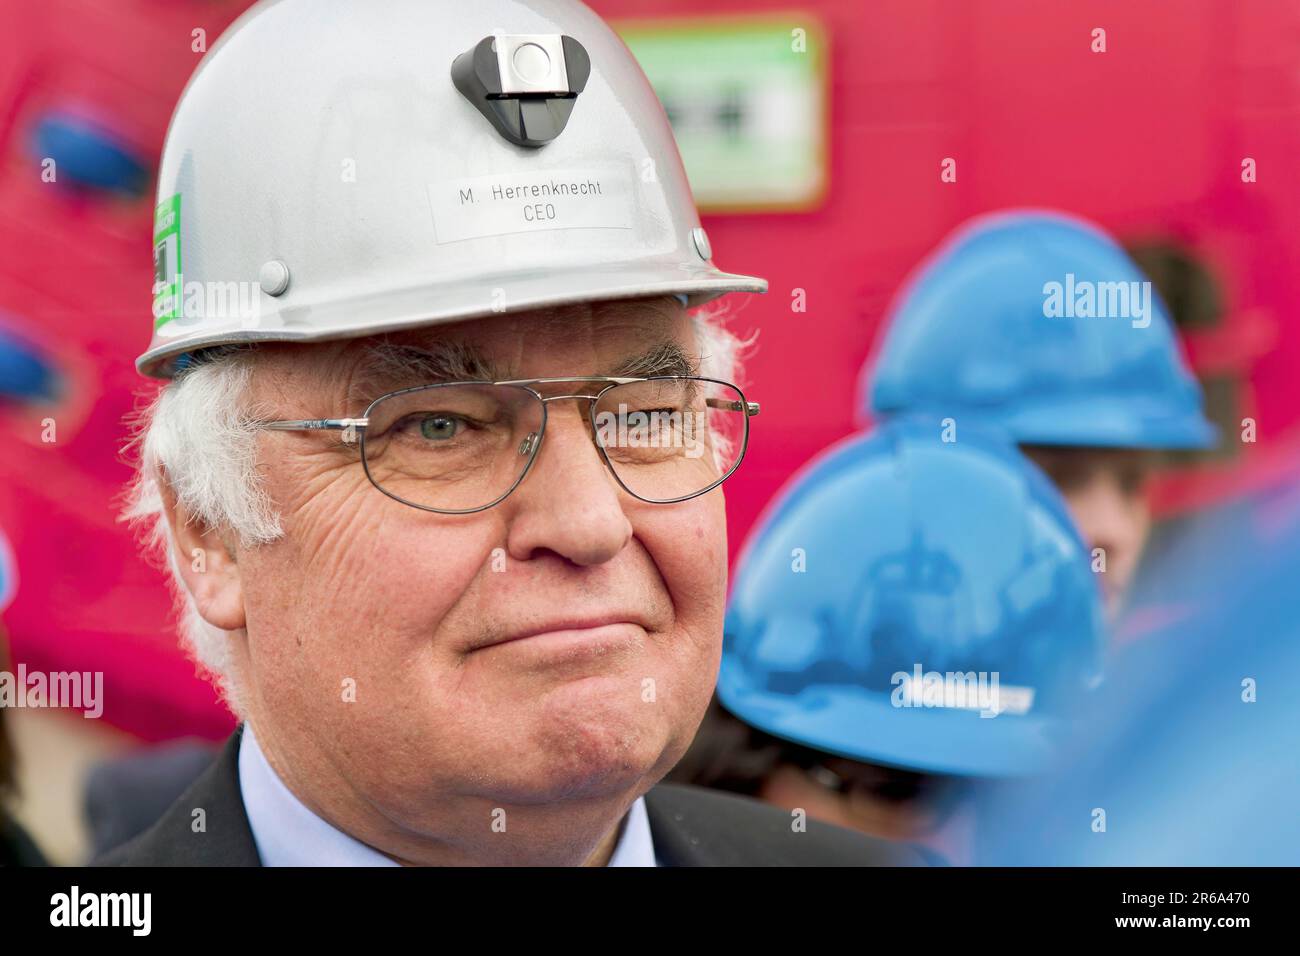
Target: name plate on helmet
(530, 202)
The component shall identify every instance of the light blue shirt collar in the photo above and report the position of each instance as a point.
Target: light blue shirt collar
(287, 833)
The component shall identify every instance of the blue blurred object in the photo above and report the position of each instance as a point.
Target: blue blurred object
(970, 338)
(24, 375)
(1183, 565)
(8, 573)
(1185, 769)
(88, 155)
(920, 555)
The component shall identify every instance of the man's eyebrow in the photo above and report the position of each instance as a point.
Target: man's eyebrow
(664, 358)
(388, 366)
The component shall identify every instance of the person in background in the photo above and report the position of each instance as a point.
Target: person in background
(911, 620)
(16, 846)
(1038, 324)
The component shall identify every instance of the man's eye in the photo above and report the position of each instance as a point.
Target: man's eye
(1132, 480)
(434, 427)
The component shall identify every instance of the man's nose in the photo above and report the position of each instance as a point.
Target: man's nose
(569, 503)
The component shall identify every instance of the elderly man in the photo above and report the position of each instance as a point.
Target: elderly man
(445, 511)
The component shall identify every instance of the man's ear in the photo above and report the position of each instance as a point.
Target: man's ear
(205, 563)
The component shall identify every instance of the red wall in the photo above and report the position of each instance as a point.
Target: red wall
(1146, 138)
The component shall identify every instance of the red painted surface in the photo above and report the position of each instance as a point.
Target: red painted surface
(1146, 139)
(74, 276)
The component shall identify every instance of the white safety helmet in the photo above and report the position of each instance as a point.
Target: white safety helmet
(337, 169)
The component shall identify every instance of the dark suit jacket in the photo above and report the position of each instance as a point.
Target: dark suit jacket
(690, 826)
(16, 847)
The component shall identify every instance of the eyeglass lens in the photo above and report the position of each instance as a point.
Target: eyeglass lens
(463, 447)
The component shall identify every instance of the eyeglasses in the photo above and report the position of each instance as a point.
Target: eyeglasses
(462, 447)
(856, 780)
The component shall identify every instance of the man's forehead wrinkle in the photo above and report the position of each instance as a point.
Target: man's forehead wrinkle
(645, 318)
(564, 320)
(284, 377)
(645, 334)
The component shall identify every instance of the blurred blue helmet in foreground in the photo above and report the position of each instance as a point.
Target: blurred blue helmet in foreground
(1039, 324)
(1190, 754)
(917, 603)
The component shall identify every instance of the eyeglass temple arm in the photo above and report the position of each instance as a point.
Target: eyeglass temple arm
(749, 408)
(313, 424)
(348, 426)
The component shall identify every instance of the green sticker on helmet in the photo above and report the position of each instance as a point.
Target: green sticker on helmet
(167, 261)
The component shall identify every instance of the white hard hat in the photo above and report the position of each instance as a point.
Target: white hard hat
(329, 173)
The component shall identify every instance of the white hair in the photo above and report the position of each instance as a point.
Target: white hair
(199, 437)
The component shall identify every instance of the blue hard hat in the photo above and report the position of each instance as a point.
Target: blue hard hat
(896, 568)
(24, 374)
(1030, 321)
(87, 154)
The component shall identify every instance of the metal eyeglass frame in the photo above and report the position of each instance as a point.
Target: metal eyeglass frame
(351, 426)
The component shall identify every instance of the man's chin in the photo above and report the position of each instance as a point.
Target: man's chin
(586, 755)
(557, 787)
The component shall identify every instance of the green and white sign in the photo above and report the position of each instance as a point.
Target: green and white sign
(747, 98)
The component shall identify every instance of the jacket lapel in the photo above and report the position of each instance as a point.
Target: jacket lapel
(675, 828)
(207, 826)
